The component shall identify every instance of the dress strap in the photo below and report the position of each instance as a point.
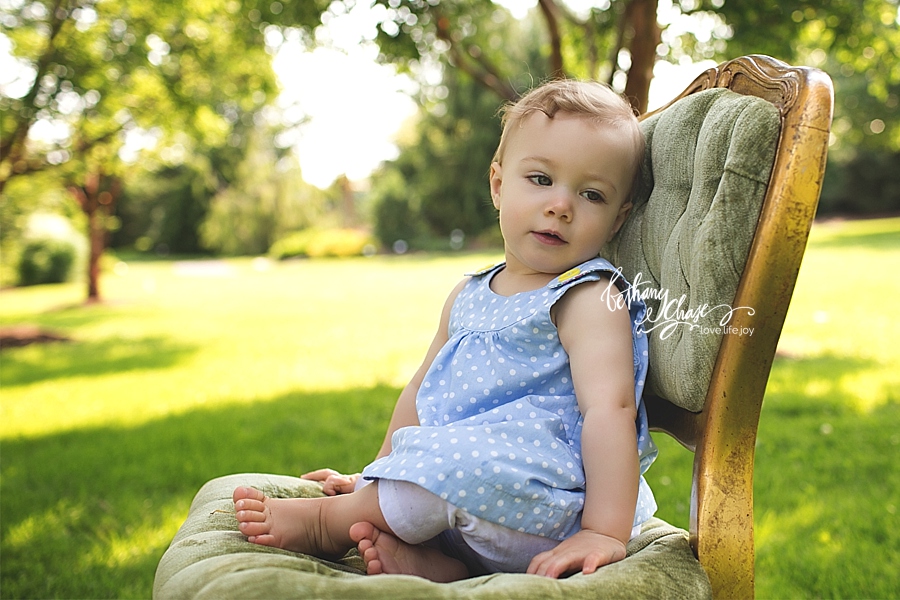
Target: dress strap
(485, 270)
(595, 265)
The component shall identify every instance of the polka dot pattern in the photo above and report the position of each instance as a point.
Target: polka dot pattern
(500, 429)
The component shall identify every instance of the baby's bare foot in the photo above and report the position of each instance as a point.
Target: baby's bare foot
(385, 553)
(293, 524)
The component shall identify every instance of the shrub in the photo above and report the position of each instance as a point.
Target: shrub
(865, 184)
(396, 212)
(319, 243)
(46, 260)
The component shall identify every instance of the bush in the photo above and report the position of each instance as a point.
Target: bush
(319, 243)
(46, 260)
(396, 213)
(865, 184)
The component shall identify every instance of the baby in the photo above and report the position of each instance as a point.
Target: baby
(520, 443)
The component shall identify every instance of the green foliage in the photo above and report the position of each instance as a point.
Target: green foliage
(439, 183)
(417, 31)
(163, 209)
(856, 43)
(41, 195)
(322, 243)
(397, 208)
(865, 184)
(454, 155)
(192, 78)
(482, 39)
(46, 260)
(267, 199)
(111, 67)
(50, 250)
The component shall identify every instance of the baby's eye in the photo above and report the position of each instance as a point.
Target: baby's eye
(540, 179)
(593, 196)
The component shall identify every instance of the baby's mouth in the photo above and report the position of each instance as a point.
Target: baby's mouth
(550, 238)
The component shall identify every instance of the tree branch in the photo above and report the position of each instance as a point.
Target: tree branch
(550, 10)
(493, 74)
(13, 149)
(622, 26)
(643, 52)
(26, 167)
(590, 33)
(482, 71)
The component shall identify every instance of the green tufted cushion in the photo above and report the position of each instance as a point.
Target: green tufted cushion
(706, 172)
(209, 558)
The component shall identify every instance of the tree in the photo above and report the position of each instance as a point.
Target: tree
(162, 206)
(266, 200)
(857, 43)
(102, 75)
(464, 34)
(439, 183)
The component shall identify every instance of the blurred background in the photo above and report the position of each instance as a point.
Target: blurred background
(227, 127)
(161, 159)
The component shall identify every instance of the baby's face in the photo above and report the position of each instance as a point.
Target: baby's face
(562, 190)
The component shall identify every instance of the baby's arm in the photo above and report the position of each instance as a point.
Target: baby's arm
(599, 343)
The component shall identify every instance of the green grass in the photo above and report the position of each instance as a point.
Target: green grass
(186, 374)
(827, 483)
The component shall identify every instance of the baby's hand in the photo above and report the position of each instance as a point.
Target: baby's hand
(585, 551)
(333, 483)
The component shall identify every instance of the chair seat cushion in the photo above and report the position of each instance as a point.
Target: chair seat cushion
(210, 558)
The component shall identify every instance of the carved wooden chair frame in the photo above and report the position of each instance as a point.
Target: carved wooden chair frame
(723, 435)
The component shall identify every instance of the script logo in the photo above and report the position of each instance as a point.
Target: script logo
(671, 312)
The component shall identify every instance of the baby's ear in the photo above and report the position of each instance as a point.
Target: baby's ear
(624, 210)
(496, 183)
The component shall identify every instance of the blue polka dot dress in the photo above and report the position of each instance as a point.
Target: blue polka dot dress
(500, 428)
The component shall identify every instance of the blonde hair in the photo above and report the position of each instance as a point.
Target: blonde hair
(588, 99)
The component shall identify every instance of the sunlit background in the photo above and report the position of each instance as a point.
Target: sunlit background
(227, 228)
(373, 116)
(351, 119)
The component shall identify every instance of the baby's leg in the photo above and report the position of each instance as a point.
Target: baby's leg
(415, 516)
(316, 526)
(386, 553)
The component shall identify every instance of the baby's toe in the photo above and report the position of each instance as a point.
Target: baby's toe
(254, 529)
(248, 493)
(362, 531)
(250, 516)
(249, 505)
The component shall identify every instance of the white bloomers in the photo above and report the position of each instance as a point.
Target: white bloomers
(417, 516)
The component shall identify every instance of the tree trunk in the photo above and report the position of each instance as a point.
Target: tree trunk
(348, 202)
(97, 205)
(97, 234)
(551, 18)
(645, 39)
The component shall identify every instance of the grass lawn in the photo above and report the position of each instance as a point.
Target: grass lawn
(194, 370)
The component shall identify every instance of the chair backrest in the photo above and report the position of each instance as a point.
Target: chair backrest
(733, 172)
